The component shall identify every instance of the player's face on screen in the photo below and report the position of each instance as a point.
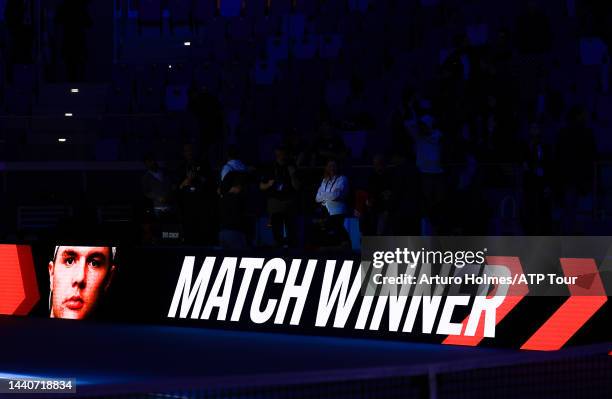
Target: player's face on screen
(79, 276)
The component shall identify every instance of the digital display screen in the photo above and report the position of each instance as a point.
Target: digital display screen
(399, 288)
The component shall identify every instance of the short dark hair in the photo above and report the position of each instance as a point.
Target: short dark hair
(148, 157)
(232, 152)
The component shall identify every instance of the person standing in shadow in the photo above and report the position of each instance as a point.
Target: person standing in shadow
(72, 17)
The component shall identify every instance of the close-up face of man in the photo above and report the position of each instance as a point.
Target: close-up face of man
(79, 277)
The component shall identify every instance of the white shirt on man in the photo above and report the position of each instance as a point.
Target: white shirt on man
(332, 195)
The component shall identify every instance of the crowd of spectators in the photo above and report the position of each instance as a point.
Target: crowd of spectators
(498, 139)
(454, 140)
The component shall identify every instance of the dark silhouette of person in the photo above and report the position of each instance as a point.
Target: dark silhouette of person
(280, 183)
(576, 155)
(197, 198)
(19, 24)
(74, 19)
(376, 217)
(536, 184)
(208, 111)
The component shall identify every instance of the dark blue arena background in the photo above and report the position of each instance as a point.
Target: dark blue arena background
(291, 129)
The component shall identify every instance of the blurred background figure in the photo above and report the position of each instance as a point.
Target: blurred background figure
(448, 92)
(208, 112)
(157, 186)
(332, 198)
(19, 17)
(197, 198)
(72, 16)
(576, 153)
(280, 184)
(428, 148)
(536, 183)
(327, 145)
(233, 215)
(375, 219)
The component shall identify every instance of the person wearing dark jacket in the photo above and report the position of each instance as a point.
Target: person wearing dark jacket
(74, 19)
(18, 15)
(375, 220)
(576, 153)
(233, 213)
(197, 198)
(537, 218)
(280, 184)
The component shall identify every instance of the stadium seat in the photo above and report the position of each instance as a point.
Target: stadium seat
(306, 47)
(207, 75)
(230, 8)
(429, 3)
(307, 7)
(180, 73)
(221, 50)
(119, 98)
(255, 8)
(266, 26)
(280, 7)
(107, 149)
(326, 23)
(333, 8)
(122, 74)
(180, 11)
(478, 35)
(603, 143)
(603, 110)
(337, 92)
(593, 51)
(216, 30)
(329, 46)
(24, 77)
(265, 73)
(236, 75)
(150, 12)
(339, 69)
(278, 48)
(294, 25)
(153, 75)
(177, 97)
(149, 99)
(18, 101)
(203, 11)
(358, 5)
(240, 28)
(244, 52)
(231, 96)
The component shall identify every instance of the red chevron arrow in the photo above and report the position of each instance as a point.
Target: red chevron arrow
(514, 295)
(18, 288)
(587, 297)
